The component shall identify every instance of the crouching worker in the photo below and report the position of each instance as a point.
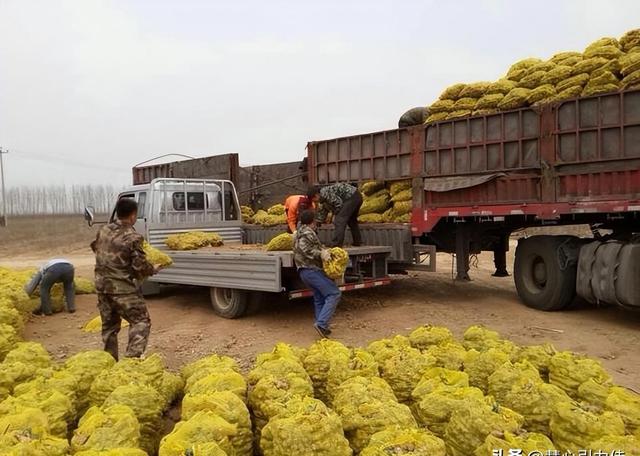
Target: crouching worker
(54, 271)
(121, 265)
(295, 205)
(308, 254)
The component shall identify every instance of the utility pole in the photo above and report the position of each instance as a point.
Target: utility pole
(3, 218)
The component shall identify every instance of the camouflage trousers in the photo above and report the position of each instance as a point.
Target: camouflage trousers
(113, 308)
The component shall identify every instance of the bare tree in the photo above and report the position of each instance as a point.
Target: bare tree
(60, 199)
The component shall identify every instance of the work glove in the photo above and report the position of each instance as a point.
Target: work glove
(325, 255)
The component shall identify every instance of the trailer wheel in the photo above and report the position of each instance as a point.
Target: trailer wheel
(229, 302)
(542, 282)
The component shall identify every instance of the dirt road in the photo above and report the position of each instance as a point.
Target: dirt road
(185, 328)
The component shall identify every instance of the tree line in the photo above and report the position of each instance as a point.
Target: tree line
(60, 199)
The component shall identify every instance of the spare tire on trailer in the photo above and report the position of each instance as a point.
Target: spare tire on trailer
(545, 271)
(229, 302)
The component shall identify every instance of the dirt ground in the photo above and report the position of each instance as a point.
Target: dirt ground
(185, 327)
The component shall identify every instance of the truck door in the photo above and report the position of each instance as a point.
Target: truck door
(141, 222)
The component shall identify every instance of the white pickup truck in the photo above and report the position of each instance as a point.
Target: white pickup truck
(167, 206)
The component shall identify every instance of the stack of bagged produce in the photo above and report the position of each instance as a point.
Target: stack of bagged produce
(142, 385)
(386, 203)
(273, 216)
(193, 240)
(606, 65)
(215, 418)
(425, 392)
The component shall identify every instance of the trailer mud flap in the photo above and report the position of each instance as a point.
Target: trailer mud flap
(608, 272)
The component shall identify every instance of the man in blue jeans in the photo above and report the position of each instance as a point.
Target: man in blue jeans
(308, 254)
(54, 271)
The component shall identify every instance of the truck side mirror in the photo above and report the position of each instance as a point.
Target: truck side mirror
(89, 215)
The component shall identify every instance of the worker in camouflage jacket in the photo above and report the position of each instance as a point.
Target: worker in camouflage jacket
(344, 201)
(308, 255)
(121, 266)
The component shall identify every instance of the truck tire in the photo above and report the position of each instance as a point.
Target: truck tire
(542, 282)
(229, 302)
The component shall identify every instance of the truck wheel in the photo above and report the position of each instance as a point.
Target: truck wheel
(228, 302)
(540, 280)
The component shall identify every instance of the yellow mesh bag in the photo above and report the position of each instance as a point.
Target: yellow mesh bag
(594, 393)
(436, 377)
(452, 92)
(307, 428)
(627, 404)
(400, 186)
(489, 101)
(516, 98)
(113, 427)
(224, 380)
(318, 361)
(147, 405)
(532, 80)
(474, 90)
(371, 218)
(359, 364)
(204, 434)
(155, 256)
(541, 93)
(404, 369)
(507, 375)
(535, 401)
(427, 335)
(501, 86)
(628, 445)
(371, 187)
(281, 242)
(473, 421)
(574, 429)
(527, 442)
(480, 366)
(399, 441)
(276, 209)
(229, 407)
(568, 371)
(95, 325)
(557, 74)
(450, 355)
(336, 267)
(630, 40)
(384, 349)
(375, 204)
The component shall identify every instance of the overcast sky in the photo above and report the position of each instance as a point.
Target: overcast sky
(90, 88)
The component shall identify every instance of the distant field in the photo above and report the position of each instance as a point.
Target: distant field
(48, 234)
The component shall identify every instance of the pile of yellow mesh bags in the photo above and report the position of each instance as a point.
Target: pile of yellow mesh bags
(421, 393)
(193, 240)
(606, 65)
(273, 216)
(386, 203)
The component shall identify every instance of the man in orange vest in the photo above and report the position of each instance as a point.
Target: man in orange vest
(295, 205)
